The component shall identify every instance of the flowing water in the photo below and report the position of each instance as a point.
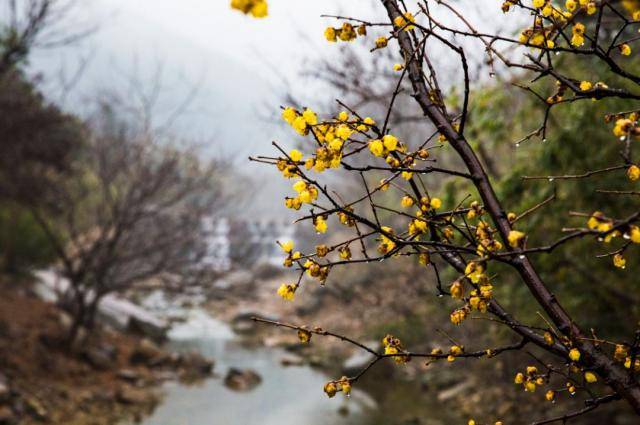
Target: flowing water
(286, 396)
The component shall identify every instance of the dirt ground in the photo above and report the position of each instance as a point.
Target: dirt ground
(40, 382)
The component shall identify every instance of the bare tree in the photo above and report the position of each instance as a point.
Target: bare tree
(134, 211)
(26, 24)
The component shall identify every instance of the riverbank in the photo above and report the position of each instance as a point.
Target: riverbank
(106, 380)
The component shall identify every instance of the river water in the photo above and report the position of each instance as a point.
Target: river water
(286, 395)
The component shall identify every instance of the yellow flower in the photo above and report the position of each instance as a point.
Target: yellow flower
(634, 234)
(376, 147)
(343, 116)
(550, 395)
(295, 155)
(633, 173)
(330, 389)
(585, 85)
(330, 35)
(407, 175)
(390, 142)
(548, 338)
(344, 131)
(530, 386)
(287, 246)
(571, 5)
(590, 377)
(259, 9)
(435, 203)
(287, 291)
(401, 21)
(515, 238)
(539, 3)
(456, 350)
(335, 145)
(407, 201)
(620, 352)
(398, 67)
(304, 335)
(457, 290)
(299, 186)
(345, 385)
(574, 354)
(347, 32)
(310, 117)
(592, 8)
(519, 379)
(381, 42)
(369, 121)
(300, 125)
(619, 261)
(578, 34)
(289, 114)
(321, 225)
(625, 49)
(458, 316)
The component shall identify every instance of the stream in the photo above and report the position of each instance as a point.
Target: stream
(286, 395)
(290, 395)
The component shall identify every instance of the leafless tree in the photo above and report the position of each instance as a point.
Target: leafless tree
(133, 212)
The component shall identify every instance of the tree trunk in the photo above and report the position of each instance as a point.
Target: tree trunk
(614, 374)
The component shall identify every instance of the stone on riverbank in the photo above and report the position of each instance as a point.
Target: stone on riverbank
(242, 380)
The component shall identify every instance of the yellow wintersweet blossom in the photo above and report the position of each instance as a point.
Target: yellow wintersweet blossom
(402, 20)
(590, 377)
(574, 354)
(550, 395)
(257, 8)
(515, 238)
(625, 49)
(310, 117)
(381, 42)
(519, 379)
(330, 35)
(287, 291)
(295, 155)
(619, 261)
(343, 116)
(634, 234)
(585, 85)
(435, 203)
(289, 114)
(390, 142)
(287, 246)
(406, 201)
(571, 5)
(376, 147)
(330, 389)
(398, 67)
(538, 4)
(320, 225)
(578, 34)
(407, 175)
(633, 173)
(304, 335)
(457, 290)
(300, 125)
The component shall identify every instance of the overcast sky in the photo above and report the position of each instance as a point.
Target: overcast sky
(233, 64)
